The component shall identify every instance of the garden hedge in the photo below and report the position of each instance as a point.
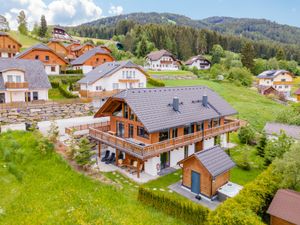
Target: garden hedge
(189, 212)
(155, 82)
(66, 93)
(79, 71)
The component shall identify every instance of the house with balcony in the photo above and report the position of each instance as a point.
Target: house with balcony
(161, 60)
(153, 129)
(278, 82)
(199, 61)
(23, 80)
(91, 59)
(53, 62)
(9, 47)
(111, 77)
(59, 48)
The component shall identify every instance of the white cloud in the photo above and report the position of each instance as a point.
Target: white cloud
(115, 10)
(63, 12)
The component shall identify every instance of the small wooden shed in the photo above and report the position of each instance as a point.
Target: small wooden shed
(206, 171)
(285, 208)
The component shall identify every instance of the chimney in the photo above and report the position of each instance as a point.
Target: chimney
(176, 104)
(204, 100)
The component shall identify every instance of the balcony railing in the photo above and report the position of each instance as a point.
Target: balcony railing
(128, 80)
(283, 82)
(148, 151)
(16, 85)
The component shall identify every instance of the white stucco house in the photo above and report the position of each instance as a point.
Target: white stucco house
(111, 77)
(199, 62)
(23, 80)
(161, 60)
(280, 80)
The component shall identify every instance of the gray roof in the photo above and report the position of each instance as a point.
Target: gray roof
(81, 59)
(153, 106)
(290, 130)
(156, 55)
(215, 160)
(35, 73)
(271, 73)
(106, 69)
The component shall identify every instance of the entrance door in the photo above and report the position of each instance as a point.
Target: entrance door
(164, 160)
(195, 182)
(2, 97)
(27, 97)
(120, 129)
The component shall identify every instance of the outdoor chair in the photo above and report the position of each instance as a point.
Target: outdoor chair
(105, 158)
(111, 159)
(122, 163)
(133, 167)
(138, 169)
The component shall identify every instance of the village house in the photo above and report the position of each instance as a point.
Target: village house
(81, 49)
(23, 80)
(59, 48)
(276, 82)
(285, 208)
(53, 62)
(199, 62)
(9, 47)
(152, 129)
(273, 130)
(91, 59)
(204, 172)
(110, 77)
(161, 60)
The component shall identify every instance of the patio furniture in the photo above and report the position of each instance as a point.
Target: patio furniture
(105, 158)
(123, 163)
(111, 159)
(132, 167)
(140, 168)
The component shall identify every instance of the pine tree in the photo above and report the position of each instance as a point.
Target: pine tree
(43, 27)
(261, 145)
(22, 23)
(280, 55)
(248, 55)
(83, 153)
(142, 48)
(217, 52)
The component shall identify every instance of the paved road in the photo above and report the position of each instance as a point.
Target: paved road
(61, 123)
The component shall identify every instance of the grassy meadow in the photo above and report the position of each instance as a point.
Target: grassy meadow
(26, 41)
(49, 191)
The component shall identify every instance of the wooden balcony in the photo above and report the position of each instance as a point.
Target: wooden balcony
(148, 151)
(283, 82)
(128, 80)
(16, 85)
(10, 50)
(166, 62)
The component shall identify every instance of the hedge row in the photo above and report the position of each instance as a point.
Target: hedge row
(250, 203)
(79, 71)
(155, 82)
(55, 84)
(187, 211)
(66, 93)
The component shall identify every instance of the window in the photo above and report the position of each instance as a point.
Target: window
(130, 130)
(35, 95)
(18, 79)
(125, 112)
(186, 151)
(98, 88)
(141, 132)
(118, 111)
(199, 126)
(188, 129)
(47, 57)
(9, 78)
(104, 60)
(131, 116)
(279, 86)
(123, 74)
(286, 86)
(97, 60)
(163, 135)
(120, 129)
(216, 122)
(14, 46)
(36, 57)
(141, 85)
(115, 86)
(283, 79)
(174, 132)
(53, 69)
(8, 46)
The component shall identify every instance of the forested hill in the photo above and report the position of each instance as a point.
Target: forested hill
(255, 29)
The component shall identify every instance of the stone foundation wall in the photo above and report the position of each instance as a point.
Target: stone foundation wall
(45, 112)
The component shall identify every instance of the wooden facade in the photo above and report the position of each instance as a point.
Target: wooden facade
(208, 184)
(79, 50)
(278, 221)
(98, 59)
(59, 48)
(9, 46)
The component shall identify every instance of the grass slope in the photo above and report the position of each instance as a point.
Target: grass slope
(253, 107)
(170, 73)
(26, 41)
(51, 192)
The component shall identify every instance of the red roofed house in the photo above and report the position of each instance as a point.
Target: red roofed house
(285, 208)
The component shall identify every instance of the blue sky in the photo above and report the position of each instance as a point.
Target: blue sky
(72, 12)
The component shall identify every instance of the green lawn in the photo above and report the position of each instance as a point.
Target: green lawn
(26, 41)
(253, 107)
(55, 94)
(51, 192)
(170, 73)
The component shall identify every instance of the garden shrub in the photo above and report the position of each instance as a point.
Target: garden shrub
(244, 162)
(54, 84)
(79, 71)
(66, 93)
(155, 82)
(246, 135)
(242, 75)
(187, 211)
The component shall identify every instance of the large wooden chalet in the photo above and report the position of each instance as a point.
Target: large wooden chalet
(9, 47)
(158, 127)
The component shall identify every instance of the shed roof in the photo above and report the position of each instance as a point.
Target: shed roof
(290, 130)
(107, 69)
(271, 73)
(156, 55)
(34, 70)
(286, 205)
(84, 57)
(153, 106)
